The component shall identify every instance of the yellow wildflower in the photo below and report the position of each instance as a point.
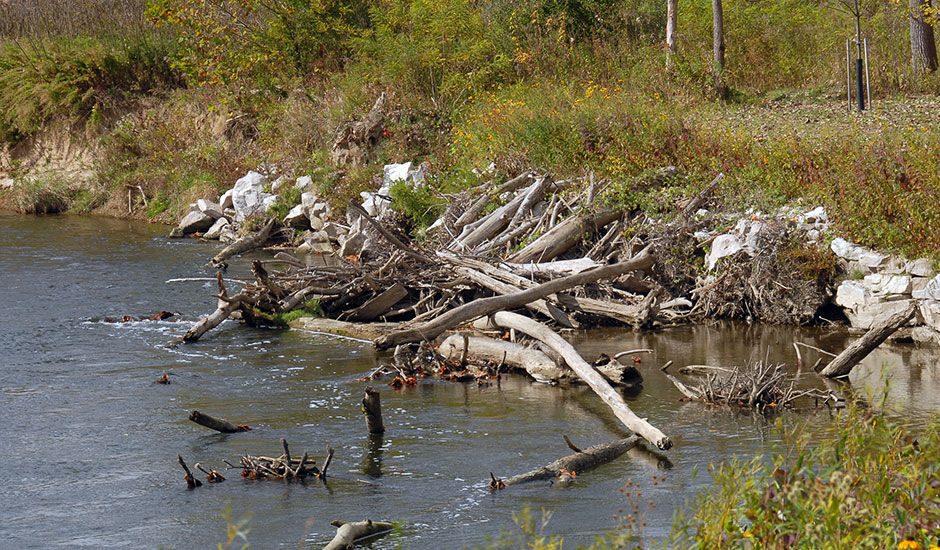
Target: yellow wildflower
(909, 545)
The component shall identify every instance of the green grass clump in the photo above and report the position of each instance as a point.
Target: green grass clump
(867, 483)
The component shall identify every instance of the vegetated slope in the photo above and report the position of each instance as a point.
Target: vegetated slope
(179, 99)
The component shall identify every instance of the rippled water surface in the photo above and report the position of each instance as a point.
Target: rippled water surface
(89, 442)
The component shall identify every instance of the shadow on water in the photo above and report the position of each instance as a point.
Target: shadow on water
(79, 394)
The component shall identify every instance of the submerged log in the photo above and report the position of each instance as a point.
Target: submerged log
(587, 373)
(843, 364)
(348, 533)
(486, 306)
(573, 464)
(191, 481)
(217, 424)
(244, 244)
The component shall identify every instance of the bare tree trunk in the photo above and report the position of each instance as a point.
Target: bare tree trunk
(586, 372)
(923, 45)
(718, 45)
(672, 17)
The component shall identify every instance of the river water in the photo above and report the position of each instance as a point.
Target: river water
(89, 441)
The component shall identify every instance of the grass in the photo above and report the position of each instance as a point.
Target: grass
(866, 482)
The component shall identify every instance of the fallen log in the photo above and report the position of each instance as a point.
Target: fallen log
(563, 236)
(540, 366)
(587, 373)
(485, 306)
(843, 364)
(557, 268)
(217, 424)
(491, 224)
(377, 305)
(697, 202)
(244, 244)
(573, 464)
(500, 287)
(226, 307)
(348, 533)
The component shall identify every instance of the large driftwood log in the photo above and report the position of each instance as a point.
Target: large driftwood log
(348, 533)
(217, 424)
(587, 373)
(843, 364)
(500, 287)
(485, 306)
(480, 348)
(246, 243)
(580, 461)
(226, 307)
(491, 225)
(563, 236)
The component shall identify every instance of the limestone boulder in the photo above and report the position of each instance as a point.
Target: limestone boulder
(194, 222)
(723, 245)
(869, 315)
(846, 250)
(209, 208)
(225, 201)
(249, 198)
(215, 231)
(296, 218)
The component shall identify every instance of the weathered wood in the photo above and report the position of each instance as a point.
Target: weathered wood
(379, 304)
(587, 373)
(244, 244)
(564, 236)
(491, 224)
(533, 195)
(372, 409)
(485, 306)
(191, 481)
(214, 319)
(346, 329)
(348, 533)
(700, 199)
(217, 424)
(632, 315)
(500, 287)
(843, 364)
(557, 268)
(481, 348)
(579, 462)
(471, 213)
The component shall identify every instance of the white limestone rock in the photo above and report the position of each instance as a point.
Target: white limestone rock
(846, 250)
(296, 218)
(195, 221)
(921, 267)
(215, 232)
(869, 315)
(209, 208)
(816, 215)
(304, 184)
(852, 294)
(249, 198)
(887, 285)
(225, 201)
(722, 246)
(930, 292)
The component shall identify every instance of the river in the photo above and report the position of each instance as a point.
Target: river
(89, 445)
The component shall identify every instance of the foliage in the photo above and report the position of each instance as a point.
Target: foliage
(869, 483)
(420, 205)
(258, 41)
(48, 78)
(440, 50)
(234, 530)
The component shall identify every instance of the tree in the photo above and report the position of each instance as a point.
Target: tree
(672, 15)
(923, 45)
(718, 45)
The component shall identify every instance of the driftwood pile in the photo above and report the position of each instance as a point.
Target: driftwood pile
(758, 385)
